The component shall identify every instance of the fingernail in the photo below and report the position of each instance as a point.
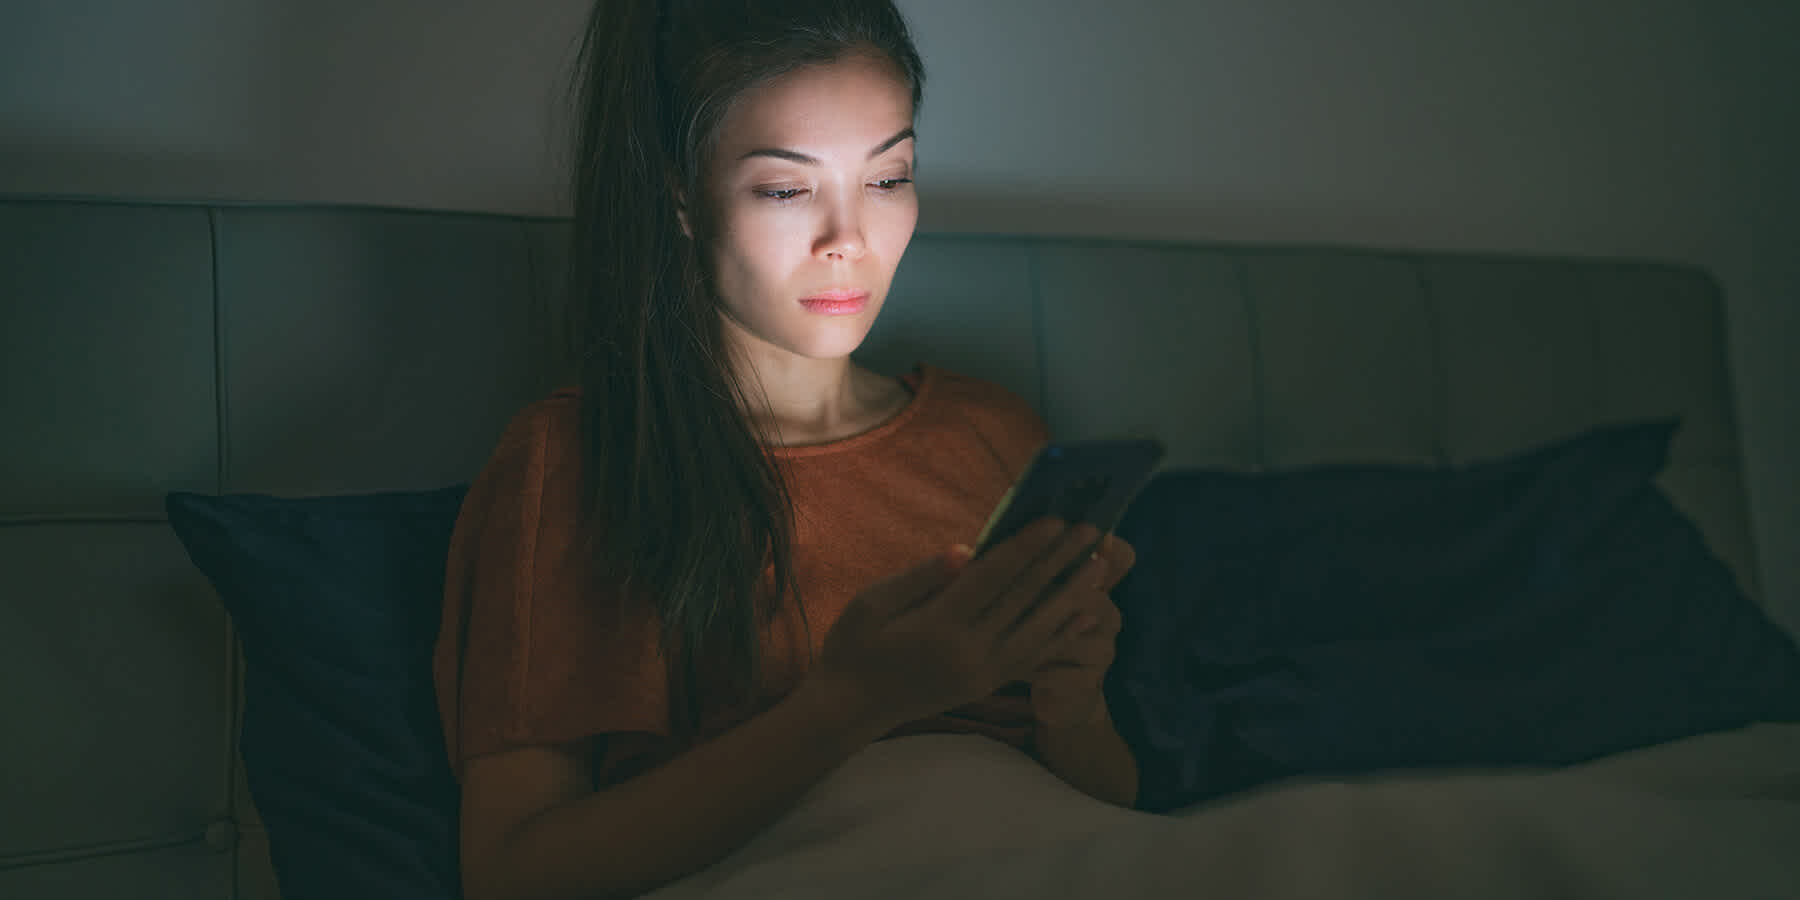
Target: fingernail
(961, 553)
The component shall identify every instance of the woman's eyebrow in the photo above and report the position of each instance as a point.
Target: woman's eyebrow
(803, 159)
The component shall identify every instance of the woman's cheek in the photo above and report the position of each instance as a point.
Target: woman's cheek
(899, 221)
(748, 230)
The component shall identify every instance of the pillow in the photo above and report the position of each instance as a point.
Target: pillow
(336, 601)
(1541, 609)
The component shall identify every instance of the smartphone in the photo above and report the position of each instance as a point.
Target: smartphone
(1090, 481)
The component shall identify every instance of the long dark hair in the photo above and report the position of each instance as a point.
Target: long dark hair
(686, 511)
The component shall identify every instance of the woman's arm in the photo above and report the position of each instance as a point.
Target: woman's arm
(533, 829)
(1092, 758)
(1075, 736)
(934, 637)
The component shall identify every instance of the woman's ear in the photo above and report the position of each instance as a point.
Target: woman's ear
(681, 215)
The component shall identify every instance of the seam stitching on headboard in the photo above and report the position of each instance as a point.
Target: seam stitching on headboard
(1253, 328)
(233, 663)
(18, 520)
(541, 333)
(220, 406)
(1037, 330)
(99, 850)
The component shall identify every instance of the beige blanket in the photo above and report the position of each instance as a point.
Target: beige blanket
(945, 817)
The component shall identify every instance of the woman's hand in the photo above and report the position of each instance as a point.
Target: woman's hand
(951, 631)
(1068, 690)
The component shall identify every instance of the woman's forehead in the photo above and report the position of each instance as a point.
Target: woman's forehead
(839, 111)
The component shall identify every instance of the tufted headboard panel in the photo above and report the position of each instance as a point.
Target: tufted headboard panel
(146, 348)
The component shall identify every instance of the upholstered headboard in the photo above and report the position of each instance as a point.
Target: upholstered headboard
(154, 347)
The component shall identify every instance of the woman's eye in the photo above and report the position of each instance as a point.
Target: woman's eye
(785, 195)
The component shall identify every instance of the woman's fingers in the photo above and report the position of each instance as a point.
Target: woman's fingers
(914, 586)
(1120, 556)
(1046, 629)
(1013, 602)
(1029, 588)
(983, 585)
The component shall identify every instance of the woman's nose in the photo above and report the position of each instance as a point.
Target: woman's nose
(842, 239)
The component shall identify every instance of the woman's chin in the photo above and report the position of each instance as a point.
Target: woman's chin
(837, 345)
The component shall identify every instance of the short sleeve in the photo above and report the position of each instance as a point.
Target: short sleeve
(1010, 427)
(530, 652)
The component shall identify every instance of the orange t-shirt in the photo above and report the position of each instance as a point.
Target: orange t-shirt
(528, 656)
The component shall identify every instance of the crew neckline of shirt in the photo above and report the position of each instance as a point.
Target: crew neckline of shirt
(923, 380)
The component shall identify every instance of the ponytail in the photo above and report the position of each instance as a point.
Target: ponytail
(686, 511)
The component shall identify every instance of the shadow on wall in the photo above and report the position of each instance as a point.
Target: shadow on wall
(138, 174)
(1090, 210)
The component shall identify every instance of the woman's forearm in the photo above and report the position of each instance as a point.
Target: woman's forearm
(685, 814)
(1092, 758)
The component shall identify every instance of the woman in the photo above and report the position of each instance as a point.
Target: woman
(682, 592)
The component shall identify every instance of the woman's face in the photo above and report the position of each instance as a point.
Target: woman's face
(811, 188)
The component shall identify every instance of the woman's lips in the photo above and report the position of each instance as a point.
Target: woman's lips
(836, 303)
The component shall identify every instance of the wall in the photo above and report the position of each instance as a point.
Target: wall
(1641, 128)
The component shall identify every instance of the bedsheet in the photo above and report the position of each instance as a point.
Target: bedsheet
(956, 816)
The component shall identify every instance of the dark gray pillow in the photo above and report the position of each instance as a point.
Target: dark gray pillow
(1542, 609)
(337, 602)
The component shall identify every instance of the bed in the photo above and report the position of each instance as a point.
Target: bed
(149, 348)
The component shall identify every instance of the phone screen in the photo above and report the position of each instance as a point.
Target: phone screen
(1091, 481)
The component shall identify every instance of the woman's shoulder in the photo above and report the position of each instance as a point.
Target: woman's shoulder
(988, 404)
(993, 416)
(561, 406)
(539, 445)
(547, 425)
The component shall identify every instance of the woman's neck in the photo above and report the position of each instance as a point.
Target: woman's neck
(815, 401)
